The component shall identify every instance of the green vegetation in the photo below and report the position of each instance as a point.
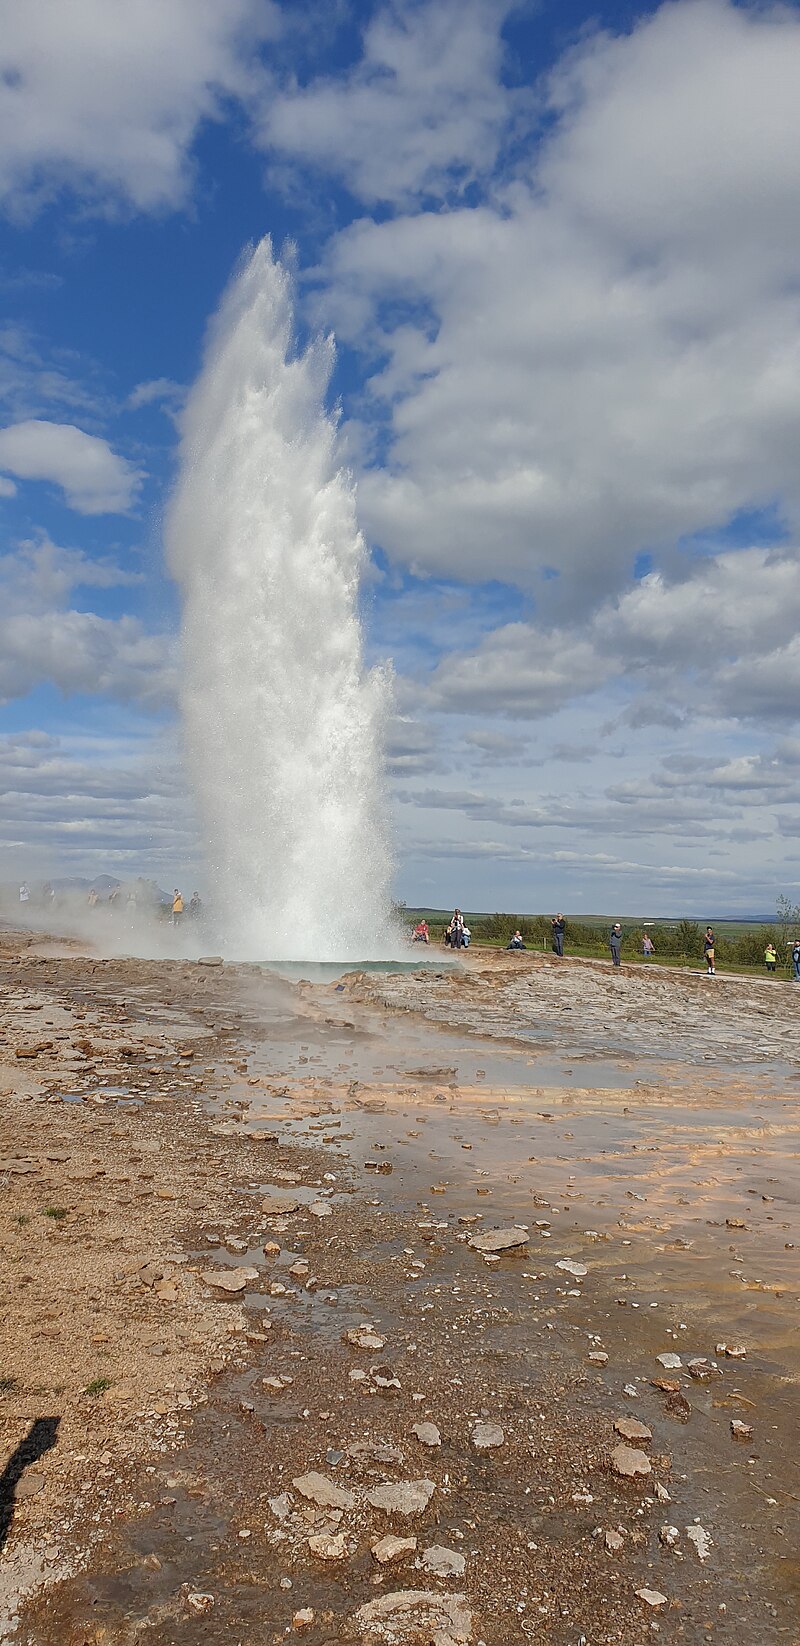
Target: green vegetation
(99, 1386)
(56, 1212)
(740, 944)
(8, 1385)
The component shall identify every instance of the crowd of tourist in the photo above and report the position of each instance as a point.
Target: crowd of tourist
(457, 936)
(139, 900)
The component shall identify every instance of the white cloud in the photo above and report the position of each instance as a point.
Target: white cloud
(582, 367)
(744, 602)
(410, 747)
(43, 639)
(107, 98)
(159, 391)
(727, 628)
(94, 479)
(520, 671)
(78, 804)
(422, 113)
(494, 748)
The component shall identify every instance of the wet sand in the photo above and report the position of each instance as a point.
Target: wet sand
(342, 1143)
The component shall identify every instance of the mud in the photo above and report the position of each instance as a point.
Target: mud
(168, 1110)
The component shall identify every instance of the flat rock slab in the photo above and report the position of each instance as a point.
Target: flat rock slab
(652, 1597)
(700, 1540)
(328, 1547)
(631, 1429)
(279, 1205)
(629, 1461)
(210, 960)
(318, 1489)
(486, 1436)
(30, 1485)
(570, 1267)
(405, 1497)
(427, 1434)
(226, 1280)
(442, 1562)
(388, 1549)
(412, 1615)
(499, 1240)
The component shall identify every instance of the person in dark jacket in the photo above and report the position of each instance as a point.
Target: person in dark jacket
(559, 926)
(615, 942)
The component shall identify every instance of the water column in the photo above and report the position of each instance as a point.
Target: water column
(283, 725)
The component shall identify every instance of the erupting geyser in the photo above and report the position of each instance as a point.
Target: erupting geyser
(283, 725)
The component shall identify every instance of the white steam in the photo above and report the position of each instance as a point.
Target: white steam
(283, 726)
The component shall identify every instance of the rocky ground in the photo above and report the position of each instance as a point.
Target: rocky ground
(583, 1005)
(316, 1356)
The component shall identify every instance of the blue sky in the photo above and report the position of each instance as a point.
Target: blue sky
(558, 247)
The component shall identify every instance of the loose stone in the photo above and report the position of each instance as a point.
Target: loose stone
(406, 1498)
(629, 1461)
(427, 1434)
(390, 1549)
(631, 1429)
(486, 1436)
(442, 1562)
(318, 1489)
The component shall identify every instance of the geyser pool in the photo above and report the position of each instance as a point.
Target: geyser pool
(283, 725)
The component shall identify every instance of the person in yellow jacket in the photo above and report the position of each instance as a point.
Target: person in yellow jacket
(770, 957)
(177, 908)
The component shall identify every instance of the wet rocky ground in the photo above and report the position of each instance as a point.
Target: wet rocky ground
(584, 1006)
(326, 1322)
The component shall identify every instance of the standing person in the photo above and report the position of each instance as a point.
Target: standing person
(177, 907)
(559, 925)
(709, 950)
(770, 957)
(195, 906)
(796, 961)
(130, 907)
(648, 946)
(457, 930)
(615, 942)
(24, 894)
